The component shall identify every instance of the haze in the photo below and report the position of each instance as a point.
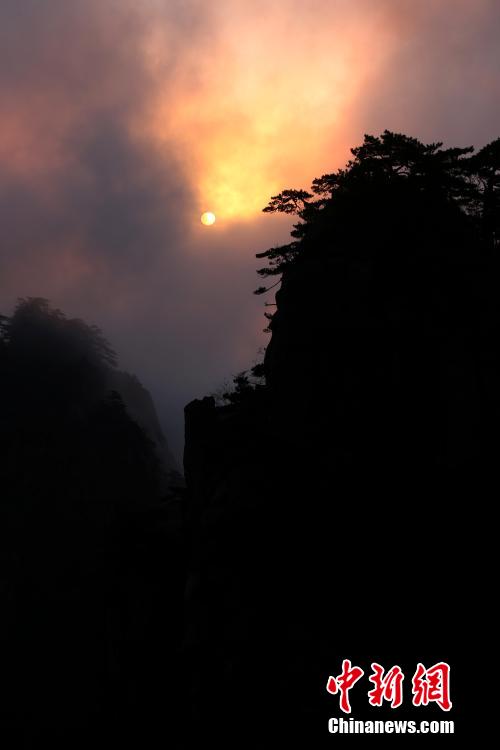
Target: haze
(122, 121)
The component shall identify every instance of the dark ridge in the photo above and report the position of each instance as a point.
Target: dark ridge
(331, 498)
(332, 504)
(91, 541)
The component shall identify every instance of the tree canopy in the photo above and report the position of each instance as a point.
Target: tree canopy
(66, 433)
(392, 171)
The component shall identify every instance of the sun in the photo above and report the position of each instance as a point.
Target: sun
(208, 218)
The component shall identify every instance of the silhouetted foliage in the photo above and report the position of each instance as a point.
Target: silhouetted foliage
(384, 169)
(245, 385)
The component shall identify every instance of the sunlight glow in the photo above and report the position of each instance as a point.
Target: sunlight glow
(263, 103)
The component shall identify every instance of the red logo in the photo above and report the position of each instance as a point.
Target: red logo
(344, 683)
(428, 685)
(432, 685)
(389, 688)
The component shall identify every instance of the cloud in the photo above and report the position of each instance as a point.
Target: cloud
(122, 120)
(441, 80)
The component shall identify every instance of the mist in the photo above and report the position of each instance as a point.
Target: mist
(121, 122)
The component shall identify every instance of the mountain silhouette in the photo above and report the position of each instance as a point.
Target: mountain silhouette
(92, 559)
(330, 498)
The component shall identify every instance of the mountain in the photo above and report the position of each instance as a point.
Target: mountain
(91, 543)
(330, 501)
(141, 409)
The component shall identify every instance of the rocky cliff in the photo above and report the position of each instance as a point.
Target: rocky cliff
(325, 509)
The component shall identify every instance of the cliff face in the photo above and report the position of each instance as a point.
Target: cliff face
(326, 510)
(141, 409)
(232, 595)
(91, 549)
(393, 374)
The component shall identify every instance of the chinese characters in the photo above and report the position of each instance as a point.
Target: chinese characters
(430, 685)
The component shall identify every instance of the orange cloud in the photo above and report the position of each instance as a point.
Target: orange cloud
(121, 121)
(269, 91)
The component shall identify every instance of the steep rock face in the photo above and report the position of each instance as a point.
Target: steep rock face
(232, 596)
(323, 508)
(330, 511)
(393, 375)
(141, 409)
(91, 549)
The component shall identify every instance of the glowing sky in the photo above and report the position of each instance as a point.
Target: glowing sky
(121, 121)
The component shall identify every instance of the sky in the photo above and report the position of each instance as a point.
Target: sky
(121, 121)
